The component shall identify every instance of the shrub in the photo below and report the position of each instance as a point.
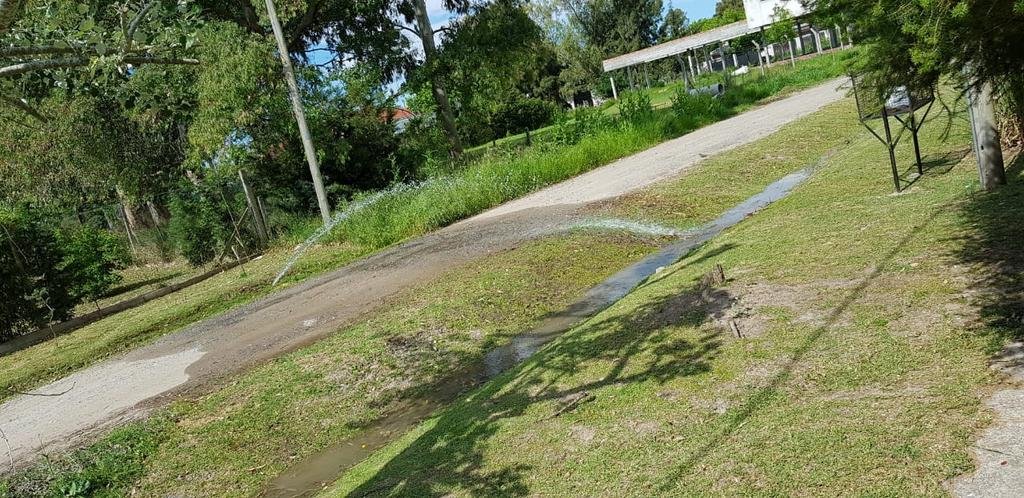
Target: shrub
(700, 107)
(32, 289)
(91, 260)
(200, 226)
(635, 107)
(583, 122)
(521, 114)
(45, 273)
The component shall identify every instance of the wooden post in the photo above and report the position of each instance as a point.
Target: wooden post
(127, 228)
(250, 198)
(985, 131)
(647, 78)
(263, 215)
(615, 92)
(300, 114)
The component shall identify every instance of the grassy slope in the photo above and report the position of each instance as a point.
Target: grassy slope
(208, 446)
(861, 371)
(296, 405)
(397, 217)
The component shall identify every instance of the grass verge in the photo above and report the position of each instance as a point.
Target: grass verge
(860, 371)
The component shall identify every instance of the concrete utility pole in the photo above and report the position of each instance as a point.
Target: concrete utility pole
(300, 114)
(985, 133)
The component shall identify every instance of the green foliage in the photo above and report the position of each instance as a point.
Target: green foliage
(915, 43)
(519, 114)
(584, 121)
(694, 107)
(106, 468)
(91, 260)
(200, 225)
(33, 289)
(635, 107)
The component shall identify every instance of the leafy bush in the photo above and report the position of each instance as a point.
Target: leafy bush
(91, 260)
(32, 289)
(635, 107)
(584, 121)
(200, 226)
(45, 272)
(700, 107)
(521, 114)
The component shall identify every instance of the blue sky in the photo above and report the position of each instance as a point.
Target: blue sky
(695, 9)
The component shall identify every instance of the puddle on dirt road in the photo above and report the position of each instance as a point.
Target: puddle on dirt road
(310, 476)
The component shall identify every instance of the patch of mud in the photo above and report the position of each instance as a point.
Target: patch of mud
(999, 453)
(753, 307)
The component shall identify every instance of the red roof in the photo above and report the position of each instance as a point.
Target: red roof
(395, 114)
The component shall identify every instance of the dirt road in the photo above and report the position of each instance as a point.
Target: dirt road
(123, 387)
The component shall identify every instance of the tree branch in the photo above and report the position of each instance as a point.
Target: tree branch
(407, 28)
(37, 50)
(25, 67)
(173, 61)
(134, 25)
(66, 62)
(24, 107)
(9, 12)
(307, 20)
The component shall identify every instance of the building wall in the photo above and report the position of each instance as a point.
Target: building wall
(761, 12)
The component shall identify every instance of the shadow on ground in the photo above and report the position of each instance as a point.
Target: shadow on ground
(631, 349)
(994, 249)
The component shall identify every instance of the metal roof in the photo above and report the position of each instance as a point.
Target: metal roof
(679, 45)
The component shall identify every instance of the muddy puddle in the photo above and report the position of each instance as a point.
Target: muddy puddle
(310, 476)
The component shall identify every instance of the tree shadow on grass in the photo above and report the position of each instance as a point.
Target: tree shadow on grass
(762, 397)
(993, 249)
(634, 348)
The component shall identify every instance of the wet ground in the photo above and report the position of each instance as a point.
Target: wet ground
(310, 476)
(192, 359)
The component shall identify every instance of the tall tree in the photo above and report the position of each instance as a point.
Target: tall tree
(725, 8)
(675, 25)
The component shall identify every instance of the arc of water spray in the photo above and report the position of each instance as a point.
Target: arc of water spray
(339, 217)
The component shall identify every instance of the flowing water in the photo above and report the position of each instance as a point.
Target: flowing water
(339, 217)
(309, 476)
(627, 225)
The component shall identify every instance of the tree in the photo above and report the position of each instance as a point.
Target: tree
(675, 25)
(44, 46)
(426, 32)
(728, 8)
(912, 43)
(619, 26)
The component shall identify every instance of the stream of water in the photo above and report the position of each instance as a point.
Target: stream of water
(309, 476)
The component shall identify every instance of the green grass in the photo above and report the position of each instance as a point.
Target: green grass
(396, 217)
(861, 372)
(811, 71)
(499, 178)
(25, 369)
(262, 419)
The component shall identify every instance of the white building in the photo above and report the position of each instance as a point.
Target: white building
(762, 12)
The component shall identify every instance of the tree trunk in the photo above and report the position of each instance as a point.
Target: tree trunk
(985, 130)
(155, 214)
(444, 108)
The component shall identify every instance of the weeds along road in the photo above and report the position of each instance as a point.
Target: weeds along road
(127, 386)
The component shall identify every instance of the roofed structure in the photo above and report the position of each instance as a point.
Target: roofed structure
(679, 45)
